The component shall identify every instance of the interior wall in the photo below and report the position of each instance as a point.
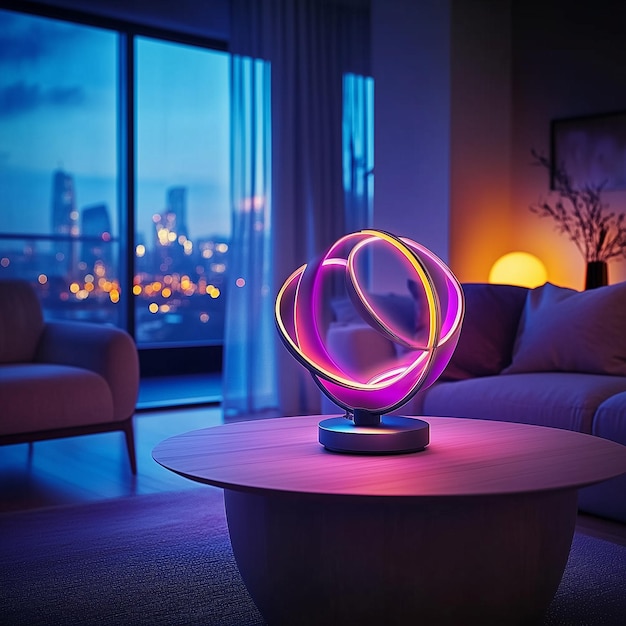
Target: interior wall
(442, 74)
(480, 207)
(507, 68)
(410, 64)
(569, 59)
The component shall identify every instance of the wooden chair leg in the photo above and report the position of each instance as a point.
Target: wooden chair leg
(129, 435)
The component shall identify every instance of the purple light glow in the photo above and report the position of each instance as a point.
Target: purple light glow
(299, 317)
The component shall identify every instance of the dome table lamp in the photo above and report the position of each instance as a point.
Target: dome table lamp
(372, 391)
(519, 268)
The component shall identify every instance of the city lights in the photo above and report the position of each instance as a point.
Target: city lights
(179, 280)
(67, 217)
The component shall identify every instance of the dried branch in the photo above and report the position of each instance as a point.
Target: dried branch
(581, 215)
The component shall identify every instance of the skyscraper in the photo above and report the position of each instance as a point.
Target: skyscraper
(64, 219)
(96, 235)
(177, 204)
(171, 229)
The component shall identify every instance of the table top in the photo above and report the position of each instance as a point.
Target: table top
(465, 457)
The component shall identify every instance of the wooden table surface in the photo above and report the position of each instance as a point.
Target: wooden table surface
(465, 457)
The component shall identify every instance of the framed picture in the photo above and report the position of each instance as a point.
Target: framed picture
(592, 149)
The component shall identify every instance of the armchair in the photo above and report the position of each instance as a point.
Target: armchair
(62, 379)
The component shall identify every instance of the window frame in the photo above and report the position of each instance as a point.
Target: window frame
(161, 360)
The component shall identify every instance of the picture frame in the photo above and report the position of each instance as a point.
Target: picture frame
(591, 149)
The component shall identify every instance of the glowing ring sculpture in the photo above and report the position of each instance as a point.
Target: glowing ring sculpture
(366, 395)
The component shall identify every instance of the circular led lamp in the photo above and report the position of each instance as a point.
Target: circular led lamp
(367, 395)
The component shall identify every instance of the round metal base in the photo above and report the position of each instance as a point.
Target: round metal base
(393, 435)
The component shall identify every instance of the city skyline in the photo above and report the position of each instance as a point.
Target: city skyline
(30, 212)
(59, 111)
(179, 281)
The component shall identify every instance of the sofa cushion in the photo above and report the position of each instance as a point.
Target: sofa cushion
(492, 314)
(609, 422)
(555, 399)
(610, 419)
(21, 321)
(570, 331)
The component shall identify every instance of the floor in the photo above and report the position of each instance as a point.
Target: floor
(95, 467)
(195, 389)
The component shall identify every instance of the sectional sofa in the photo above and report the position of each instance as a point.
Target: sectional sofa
(548, 356)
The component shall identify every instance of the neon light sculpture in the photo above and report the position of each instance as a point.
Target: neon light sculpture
(367, 395)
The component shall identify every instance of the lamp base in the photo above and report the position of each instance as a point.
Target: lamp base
(392, 435)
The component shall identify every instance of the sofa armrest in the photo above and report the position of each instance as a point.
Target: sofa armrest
(105, 350)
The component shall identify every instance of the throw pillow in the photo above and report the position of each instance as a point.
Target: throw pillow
(571, 331)
(492, 314)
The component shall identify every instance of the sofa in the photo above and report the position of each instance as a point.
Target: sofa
(61, 378)
(548, 356)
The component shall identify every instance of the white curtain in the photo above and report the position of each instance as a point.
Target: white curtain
(249, 358)
(310, 45)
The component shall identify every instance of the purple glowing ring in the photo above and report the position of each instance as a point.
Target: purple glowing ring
(299, 307)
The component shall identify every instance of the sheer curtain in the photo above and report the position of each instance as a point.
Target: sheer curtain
(249, 357)
(358, 156)
(311, 45)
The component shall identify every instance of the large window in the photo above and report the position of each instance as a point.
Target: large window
(65, 142)
(182, 217)
(58, 164)
(115, 174)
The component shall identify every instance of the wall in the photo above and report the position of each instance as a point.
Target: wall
(480, 222)
(569, 59)
(501, 71)
(410, 65)
(443, 128)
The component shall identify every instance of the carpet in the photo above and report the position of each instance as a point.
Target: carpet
(166, 559)
(151, 559)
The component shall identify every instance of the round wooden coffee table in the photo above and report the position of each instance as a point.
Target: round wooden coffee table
(476, 529)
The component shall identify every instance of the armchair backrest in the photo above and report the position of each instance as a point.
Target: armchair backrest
(21, 321)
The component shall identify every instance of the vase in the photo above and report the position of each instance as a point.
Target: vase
(597, 274)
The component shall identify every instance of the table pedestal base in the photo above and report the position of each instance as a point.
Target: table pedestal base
(311, 559)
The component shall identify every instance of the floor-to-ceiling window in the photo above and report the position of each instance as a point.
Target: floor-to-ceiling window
(114, 175)
(97, 159)
(182, 216)
(59, 177)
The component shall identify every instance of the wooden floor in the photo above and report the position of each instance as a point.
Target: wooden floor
(188, 390)
(95, 467)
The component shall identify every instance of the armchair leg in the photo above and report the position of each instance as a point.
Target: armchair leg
(129, 435)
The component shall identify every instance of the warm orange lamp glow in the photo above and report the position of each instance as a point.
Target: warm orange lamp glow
(519, 268)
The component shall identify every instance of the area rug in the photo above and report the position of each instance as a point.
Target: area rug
(166, 559)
